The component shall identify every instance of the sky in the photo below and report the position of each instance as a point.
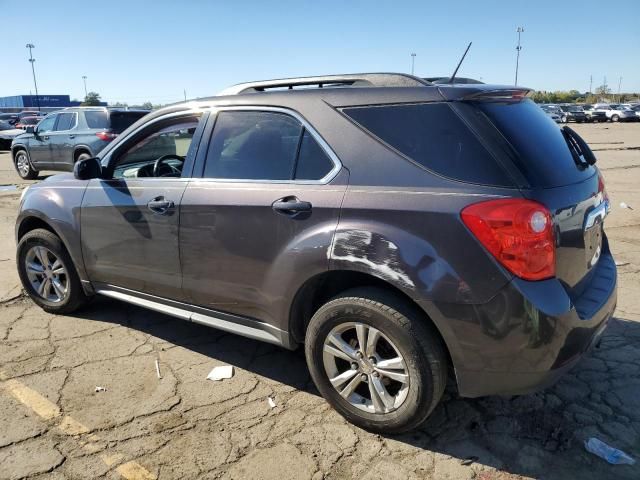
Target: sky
(136, 51)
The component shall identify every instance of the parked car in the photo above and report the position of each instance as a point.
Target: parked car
(10, 118)
(636, 109)
(7, 133)
(66, 136)
(616, 113)
(26, 121)
(572, 113)
(551, 113)
(399, 230)
(553, 108)
(594, 115)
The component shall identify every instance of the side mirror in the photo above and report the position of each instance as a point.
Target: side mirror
(87, 169)
(30, 129)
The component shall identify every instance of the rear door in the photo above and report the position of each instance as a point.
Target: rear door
(63, 140)
(262, 214)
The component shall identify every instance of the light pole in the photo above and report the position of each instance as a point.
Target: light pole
(84, 79)
(619, 85)
(413, 62)
(518, 48)
(590, 84)
(33, 70)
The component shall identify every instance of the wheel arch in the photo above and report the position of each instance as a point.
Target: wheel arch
(320, 288)
(80, 149)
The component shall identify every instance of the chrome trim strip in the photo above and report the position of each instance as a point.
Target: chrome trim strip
(265, 332)
(600, 212)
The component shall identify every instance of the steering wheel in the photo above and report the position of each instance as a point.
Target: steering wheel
(159, 163)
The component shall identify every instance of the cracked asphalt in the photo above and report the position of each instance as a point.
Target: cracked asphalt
(53, 424)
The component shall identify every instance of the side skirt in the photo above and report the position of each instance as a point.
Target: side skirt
(211, 318)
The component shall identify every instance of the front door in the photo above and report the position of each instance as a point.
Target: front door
(261, 216)
(130, 220)
(40, 151)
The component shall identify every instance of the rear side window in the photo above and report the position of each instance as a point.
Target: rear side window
(258, 145)
(313, 162)
(97, 119)
(432, 135)
(543, 154)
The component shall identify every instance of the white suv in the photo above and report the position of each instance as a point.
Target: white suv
(616, 112)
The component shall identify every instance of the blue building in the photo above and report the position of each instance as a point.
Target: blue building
(46, 101)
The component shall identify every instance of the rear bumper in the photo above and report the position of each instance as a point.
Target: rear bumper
(529, 335)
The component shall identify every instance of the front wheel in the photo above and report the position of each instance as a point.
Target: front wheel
(24, 167)
(48, 274)
(376, 360)
(615, 118)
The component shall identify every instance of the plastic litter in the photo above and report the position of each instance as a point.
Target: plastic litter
(271, 402)
(158, 369)
(100, 389)
(624, 205)
(621, 264)
(610, 454)
(220, 373)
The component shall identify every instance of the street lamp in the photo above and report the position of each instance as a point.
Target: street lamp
(30, 46)
(84, 79)
(518, 48)
(413, 62)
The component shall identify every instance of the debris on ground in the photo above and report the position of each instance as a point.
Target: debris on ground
(100, 389)
(624, 205)
(469, 460)
(220, 372)
(608, 453)
(271, 402)
(621, 264)
(158, 369)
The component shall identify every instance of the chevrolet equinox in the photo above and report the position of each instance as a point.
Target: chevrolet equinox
(401, 231)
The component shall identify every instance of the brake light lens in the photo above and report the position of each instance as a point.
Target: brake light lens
(106, 136)
(518, 233)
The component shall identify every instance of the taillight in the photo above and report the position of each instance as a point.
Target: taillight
(106, 136)
(518, 233)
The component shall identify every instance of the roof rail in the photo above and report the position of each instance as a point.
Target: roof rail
(346, 80)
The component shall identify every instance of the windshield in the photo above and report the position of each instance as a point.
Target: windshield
(543, 154)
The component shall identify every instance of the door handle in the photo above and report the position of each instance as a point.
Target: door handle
(72, 136)
(46, 137)
(160, 205)
(291, 207)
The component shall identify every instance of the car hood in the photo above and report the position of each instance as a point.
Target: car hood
(13, 133)
(61, 178)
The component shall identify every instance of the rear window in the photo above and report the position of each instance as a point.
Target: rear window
(434, 136)
(543, 154)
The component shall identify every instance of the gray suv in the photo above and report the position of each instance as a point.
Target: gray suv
(64, 137)
(401, 231)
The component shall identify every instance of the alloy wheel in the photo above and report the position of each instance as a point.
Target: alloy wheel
(22, 163)
(365, 368)
(47, 274)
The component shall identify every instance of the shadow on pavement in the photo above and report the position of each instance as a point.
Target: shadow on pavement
(539, 435)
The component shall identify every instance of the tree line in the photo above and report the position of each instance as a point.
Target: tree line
(602, 94)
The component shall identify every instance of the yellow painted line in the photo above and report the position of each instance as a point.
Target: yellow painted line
(32, 399)
(48, 410)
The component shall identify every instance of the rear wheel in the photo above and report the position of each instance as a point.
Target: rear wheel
(564, 119)
(376, 360)
(615, 118)
(48, 274)
(82, 156)
(24, 167)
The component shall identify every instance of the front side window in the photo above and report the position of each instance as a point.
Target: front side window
(66, 121)
(47, 124)
(161, 152)
(259, 145)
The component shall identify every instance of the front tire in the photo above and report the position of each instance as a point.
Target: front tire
(24, 167)
(48, 274)
(615, 118)
(376, 360)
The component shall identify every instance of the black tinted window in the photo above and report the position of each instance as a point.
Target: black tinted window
(253, 145)
(433, 136)
(543, 155)
(120, 121)
(313, 162)
(66, 121)
(97, 119)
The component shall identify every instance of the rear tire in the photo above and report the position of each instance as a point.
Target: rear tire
(82, 156)
(48, 274)
(23, 166)
(413, 376)
(615, 118)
